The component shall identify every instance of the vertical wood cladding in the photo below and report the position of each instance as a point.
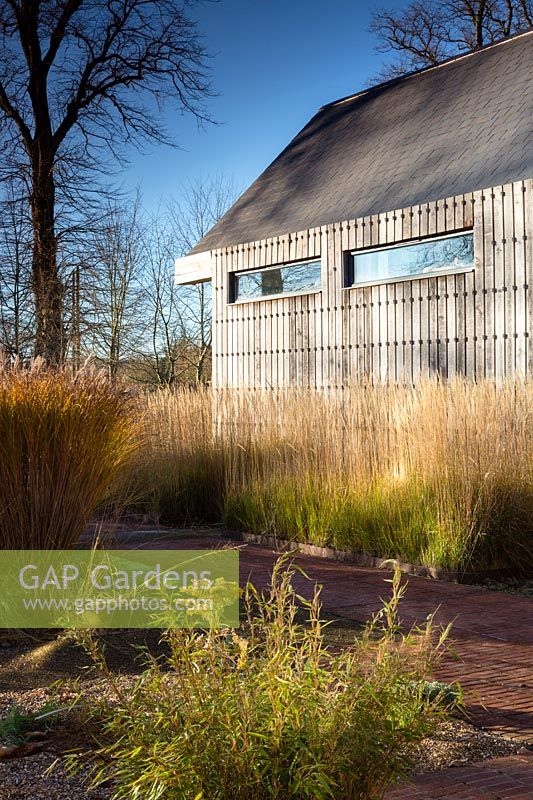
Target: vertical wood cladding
(476, 324)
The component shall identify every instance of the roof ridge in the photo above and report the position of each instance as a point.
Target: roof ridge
(423, 70)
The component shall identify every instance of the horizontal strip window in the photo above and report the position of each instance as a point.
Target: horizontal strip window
(297, 278)
(412, 260)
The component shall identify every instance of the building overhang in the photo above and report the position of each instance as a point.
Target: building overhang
(193, 269)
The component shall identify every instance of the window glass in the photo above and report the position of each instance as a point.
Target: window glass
(418, 258)
(287, 279)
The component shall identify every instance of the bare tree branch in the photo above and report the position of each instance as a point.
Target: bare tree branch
(78, 79)
(425, 33)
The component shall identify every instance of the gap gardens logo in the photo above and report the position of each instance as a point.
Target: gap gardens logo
(119, 588)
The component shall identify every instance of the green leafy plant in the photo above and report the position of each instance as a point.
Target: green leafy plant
(450, 696)
(17, 722)
(269, 712)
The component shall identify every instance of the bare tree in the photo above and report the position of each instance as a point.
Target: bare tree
(180, 327)
(194, 311)
(424, 33)
(78, 78)
(178, 347)
(16, 306)
(114, 317)
(158, 363)
(203, 203)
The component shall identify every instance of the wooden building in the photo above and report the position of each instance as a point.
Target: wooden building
(392, 238)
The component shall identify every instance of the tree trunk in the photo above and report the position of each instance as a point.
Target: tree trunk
(479, 18)
(46, 284)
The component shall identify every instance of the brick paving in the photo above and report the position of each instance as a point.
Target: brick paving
(492, 656)
(492, 635)
(496, 779)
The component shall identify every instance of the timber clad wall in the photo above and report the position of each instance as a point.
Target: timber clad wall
(477, 324)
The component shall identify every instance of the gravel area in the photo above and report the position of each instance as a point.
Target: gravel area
(457, 743)
(510, 586)
(27, 779)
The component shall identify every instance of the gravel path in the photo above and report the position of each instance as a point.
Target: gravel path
(28, 779)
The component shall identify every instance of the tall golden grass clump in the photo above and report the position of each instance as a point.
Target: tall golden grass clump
(63, 440)
(178, 472)
(439, 474)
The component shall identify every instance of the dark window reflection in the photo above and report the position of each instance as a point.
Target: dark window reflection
(288, 279)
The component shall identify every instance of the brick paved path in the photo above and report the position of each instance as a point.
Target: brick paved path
(493, 643)
(498, 779)
(492, 632)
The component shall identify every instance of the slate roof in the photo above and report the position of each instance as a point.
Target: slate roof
(463, 125)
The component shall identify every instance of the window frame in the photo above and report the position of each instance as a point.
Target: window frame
(235, 274)
(349, 269)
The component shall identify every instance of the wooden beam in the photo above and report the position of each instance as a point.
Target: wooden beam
(193, 269)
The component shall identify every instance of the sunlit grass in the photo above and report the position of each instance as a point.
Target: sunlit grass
(63, 440)
(441, 474)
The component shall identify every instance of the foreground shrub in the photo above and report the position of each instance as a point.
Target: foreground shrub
(63, 440)
(269, 712)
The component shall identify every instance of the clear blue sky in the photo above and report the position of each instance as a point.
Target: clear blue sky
(275, 62)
